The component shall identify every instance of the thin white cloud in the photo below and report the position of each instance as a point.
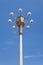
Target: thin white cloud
(33, 56)
(9, 42)
(28, 56)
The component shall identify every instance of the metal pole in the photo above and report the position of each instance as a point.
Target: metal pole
(21, 49)
(21, 52)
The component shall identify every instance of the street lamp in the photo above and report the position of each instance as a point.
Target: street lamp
(20, 21)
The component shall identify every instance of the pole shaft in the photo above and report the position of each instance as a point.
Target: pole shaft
(21, 52)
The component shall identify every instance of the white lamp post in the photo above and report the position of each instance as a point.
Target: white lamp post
(20, 21)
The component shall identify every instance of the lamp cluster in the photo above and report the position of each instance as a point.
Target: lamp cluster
(20, 19)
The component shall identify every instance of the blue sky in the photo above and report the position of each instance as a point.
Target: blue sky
(32, 38)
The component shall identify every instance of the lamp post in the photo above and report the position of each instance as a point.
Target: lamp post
(20, 21)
